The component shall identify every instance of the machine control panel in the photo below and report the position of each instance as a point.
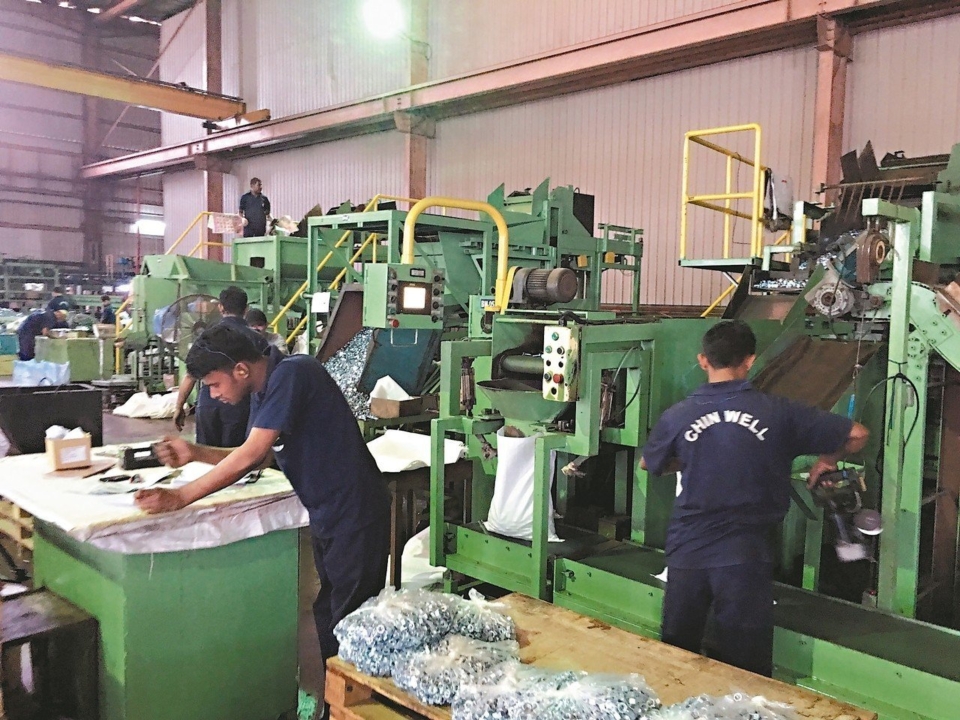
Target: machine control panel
(561, 362)
(403, 296)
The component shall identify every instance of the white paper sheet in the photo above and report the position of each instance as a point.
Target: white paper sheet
(399, 450)
(113, 522)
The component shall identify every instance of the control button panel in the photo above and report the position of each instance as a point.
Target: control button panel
(561, 357)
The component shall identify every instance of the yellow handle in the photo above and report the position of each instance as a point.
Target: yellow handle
(503, 255)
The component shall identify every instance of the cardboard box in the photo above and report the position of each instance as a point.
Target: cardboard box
(385, 409)
(70, 453)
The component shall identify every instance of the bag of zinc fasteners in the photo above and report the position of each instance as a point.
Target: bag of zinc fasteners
(479, 618)
(392, 625)
(736, 706)
(526, 693)
(434, 675)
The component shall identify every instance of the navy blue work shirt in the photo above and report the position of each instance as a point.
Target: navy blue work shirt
(736, 446)
(320, 448)
(30, 328)
(108, 316)
(255, 209)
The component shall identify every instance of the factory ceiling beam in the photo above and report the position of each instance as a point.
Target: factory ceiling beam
(735, 30)
(132, 90)
(117, 9)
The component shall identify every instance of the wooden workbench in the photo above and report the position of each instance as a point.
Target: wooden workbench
(556, 638)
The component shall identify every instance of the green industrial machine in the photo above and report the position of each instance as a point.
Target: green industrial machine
(165, 279)
(285, 258)
(419, 276)
(863, 317)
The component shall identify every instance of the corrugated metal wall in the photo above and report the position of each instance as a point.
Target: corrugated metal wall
(183, 200)
(296, 180)
(292, 56)
(903, 92)
(41, 143)
(502, 32)
(183, 61)
(623, 144)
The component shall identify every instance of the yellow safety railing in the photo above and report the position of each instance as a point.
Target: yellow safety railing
(501, 290)
(372, 205)
(720, 298)
(782, 240)
(728, 196)
(202, 244)
(335, 283)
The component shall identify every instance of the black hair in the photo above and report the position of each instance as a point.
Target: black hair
(233, 300)
(255, 180)
(220, 348)
(57, 290)
(104, 298)
(256, 316)
(728, 343)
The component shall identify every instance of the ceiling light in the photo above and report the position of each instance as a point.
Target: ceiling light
(384, 18)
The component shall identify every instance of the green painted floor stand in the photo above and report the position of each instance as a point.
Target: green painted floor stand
(204, 634)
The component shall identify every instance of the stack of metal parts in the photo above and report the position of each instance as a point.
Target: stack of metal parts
(346, 367)
(521, 692)
(738, 706)
(434, 675)
(393, 625)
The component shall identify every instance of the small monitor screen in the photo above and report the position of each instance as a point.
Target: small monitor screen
(414, 298)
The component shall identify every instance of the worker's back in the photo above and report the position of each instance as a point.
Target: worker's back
(736, 447)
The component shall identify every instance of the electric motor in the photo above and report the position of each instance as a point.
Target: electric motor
(545, 287)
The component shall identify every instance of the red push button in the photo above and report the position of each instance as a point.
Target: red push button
(558, 378)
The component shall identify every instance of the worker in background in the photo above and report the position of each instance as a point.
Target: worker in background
(57, 298)
(299, 416)
(40, 323)
(107, 314)
(733, 448)
(257, 321)
(255, 209)
(219, 424)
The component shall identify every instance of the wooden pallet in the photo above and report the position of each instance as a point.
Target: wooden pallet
(352, 695)
(556, 638)
(17, 524)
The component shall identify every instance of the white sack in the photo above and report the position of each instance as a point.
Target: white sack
(511, 511)
(142, 405)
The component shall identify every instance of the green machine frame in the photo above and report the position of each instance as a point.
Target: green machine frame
(895, 651)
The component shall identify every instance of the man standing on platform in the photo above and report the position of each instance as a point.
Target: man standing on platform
(255, 210)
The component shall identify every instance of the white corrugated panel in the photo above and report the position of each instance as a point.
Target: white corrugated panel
(296, 180)
(467, 36)
(29, 34)
(623, 144)
(902, 89)
(183, 36)
(183, 199)
(292, 56)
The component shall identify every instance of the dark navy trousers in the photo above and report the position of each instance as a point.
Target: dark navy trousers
(741, 598)
(353, 568)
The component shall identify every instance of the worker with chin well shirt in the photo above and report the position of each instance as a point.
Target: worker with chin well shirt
(733, 448)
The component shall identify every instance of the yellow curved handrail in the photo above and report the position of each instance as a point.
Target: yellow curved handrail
(503, 255)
